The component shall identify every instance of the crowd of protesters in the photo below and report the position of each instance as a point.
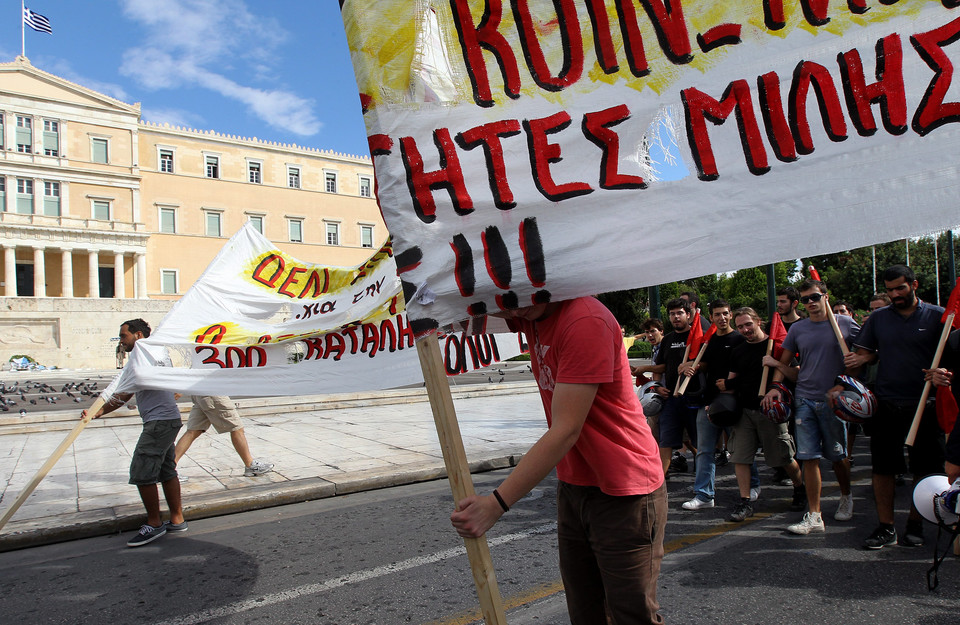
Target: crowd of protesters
(738, 398)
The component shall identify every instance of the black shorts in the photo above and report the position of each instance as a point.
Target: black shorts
(888, 430)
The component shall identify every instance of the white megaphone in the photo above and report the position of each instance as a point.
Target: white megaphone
(937, 500)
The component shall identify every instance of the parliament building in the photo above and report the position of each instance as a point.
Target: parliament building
(105, 217)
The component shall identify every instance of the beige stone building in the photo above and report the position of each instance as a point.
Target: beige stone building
(104, 217)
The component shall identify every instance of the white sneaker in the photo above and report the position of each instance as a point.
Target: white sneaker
(845, 509)
(258, 467)
(754, 493)
(697, 504)
(811, 522)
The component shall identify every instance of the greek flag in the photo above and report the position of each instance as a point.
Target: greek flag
(36, 21)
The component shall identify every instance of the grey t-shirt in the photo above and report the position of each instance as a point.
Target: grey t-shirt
(157, 406)
(821, 360)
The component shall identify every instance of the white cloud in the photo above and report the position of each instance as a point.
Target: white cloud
(62, 68)
(174, 117)
(203, 43)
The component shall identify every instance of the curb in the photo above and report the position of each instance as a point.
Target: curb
(114, 520)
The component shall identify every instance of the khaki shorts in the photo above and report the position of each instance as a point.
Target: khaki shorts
(217, 410)
(752, 430)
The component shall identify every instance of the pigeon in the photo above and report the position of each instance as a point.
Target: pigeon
(23, 412)
(77, 399)
(33, 401)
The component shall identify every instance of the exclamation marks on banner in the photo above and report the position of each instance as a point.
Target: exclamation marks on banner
(496, 256)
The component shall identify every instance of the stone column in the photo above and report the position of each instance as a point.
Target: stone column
(10, 270)
(94, 257)
(39, 273)
(66, 263)
(141, 276)
(119, 284)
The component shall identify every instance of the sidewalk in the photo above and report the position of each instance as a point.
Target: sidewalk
(322, 446)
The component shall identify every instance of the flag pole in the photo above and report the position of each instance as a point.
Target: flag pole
(766, 370)
(23, 37)
(915, 426)
(52, 460)
(458, 474)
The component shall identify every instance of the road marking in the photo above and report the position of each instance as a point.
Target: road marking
(542, 591)
(344, 580)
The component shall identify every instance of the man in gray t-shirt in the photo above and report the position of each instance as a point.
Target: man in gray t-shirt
(153, 459)
(819, 433)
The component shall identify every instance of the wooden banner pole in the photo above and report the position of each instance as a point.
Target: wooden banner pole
(686, 354)
(912, 434)
(52, 460)
(458, 472)
(686, 379)
(766, 370)
(836, 330)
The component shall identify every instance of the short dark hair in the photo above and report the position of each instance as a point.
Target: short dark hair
(652, 324)
(842, 302)
(692, 297)
(810, 283)
(880, 297)
(718, 303)
(676, 303)
(898, 271)
(137, 325)
(792, 293)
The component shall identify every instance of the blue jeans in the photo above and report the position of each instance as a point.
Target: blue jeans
(820, 433)
(706, 463)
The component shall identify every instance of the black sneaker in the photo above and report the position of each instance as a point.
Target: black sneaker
(721, 458)
(147, 534)
(175, 527)
(742, 511)
(912, 536)
(678, 464)
(880, 538)
(799, 503)
(780, 477)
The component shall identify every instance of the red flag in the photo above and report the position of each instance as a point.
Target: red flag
(777, 332)
(814, 274)
(953, 306)
(695, 338)
(946, 408)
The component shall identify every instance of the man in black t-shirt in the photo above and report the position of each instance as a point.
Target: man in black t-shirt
(714, 366)
(754, 428)
(677, 412)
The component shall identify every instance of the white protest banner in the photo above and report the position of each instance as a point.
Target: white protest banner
(519, 146)
(259, 322)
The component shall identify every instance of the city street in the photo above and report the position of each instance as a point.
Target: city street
(390, 556)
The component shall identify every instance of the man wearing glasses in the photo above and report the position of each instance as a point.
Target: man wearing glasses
(820, 434)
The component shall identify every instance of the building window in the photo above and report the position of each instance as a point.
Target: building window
(295, 226)
(24, 196)
(213, 166)
(51, 137)
(101, 210)
(24, 134)
(293, 177)
(3, 194)
(253, 172)
(333, 233)
(168, 281)
(51, 199)
(3, 132)
(166, 161)
(257, 221)
(212, 219)
(366, 236)
(366, 188)
(100, 150)
(168, 220)
(330, 181)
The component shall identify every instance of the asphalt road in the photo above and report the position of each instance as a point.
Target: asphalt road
(390, 556)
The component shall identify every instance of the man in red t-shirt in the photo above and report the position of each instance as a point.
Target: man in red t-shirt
(611, 497)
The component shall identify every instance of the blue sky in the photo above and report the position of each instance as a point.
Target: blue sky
(277, 70)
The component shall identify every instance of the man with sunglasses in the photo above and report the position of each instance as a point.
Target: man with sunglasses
(819, 433)
(902, 338)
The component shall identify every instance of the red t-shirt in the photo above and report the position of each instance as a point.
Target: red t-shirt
(581, 343)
